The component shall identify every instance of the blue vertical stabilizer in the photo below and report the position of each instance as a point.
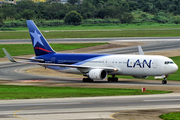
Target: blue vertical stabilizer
(41, 46)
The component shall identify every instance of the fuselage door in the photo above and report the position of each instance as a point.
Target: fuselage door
(53, 59)
(155, 64)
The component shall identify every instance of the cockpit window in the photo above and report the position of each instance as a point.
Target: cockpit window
(168, 62)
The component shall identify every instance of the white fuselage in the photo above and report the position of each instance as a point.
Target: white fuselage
(134, 65)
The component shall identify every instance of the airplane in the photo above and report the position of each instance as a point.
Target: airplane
(96, 66)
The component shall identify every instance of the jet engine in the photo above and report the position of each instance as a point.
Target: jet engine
(98, 74)
(140, 77)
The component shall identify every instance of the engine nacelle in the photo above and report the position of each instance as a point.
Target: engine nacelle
(98, 74)
(140, 76)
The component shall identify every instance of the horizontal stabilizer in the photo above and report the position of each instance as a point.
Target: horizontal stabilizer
(8, 55)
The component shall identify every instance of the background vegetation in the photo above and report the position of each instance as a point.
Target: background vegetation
(92, 12)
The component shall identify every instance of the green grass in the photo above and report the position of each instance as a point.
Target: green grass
(171, 116)
(31, 92)
(106, 26)
(83, 31)
(92, 34)
(26, 49)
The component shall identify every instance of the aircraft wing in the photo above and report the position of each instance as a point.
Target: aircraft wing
(109, 69)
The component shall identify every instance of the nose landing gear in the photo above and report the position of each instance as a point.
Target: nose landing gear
(165, 80)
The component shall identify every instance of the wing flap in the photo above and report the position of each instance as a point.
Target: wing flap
(38, 60)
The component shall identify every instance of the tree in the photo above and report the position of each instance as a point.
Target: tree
(59, 15)
(26, 8)
(26, 4)
(8, 10)
(102, 13)
(73, 17)
(28, 14)
(148, 7)
(87, 9)
(1, 19)
(125, 17)
(54, 11)
(73, 2)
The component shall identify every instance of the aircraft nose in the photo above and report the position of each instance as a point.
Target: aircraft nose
(175, 68)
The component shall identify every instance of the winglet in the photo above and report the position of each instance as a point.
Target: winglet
(140, 50)
(8, 55)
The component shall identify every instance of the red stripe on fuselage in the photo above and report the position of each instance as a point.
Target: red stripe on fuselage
(42, 49)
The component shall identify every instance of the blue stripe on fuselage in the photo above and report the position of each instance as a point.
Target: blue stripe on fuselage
(71, 58)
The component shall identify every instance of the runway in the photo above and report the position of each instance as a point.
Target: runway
(14, 72)
(162, 46)
(96, 108)
(74, 40)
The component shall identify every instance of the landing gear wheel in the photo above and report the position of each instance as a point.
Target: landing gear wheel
(87, 80)
(112, 79)
(84, 80)
(164, 82)
(116, 79)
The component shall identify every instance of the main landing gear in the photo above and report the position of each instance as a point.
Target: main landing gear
(165, 80)
(112, 79)
(87, 80)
